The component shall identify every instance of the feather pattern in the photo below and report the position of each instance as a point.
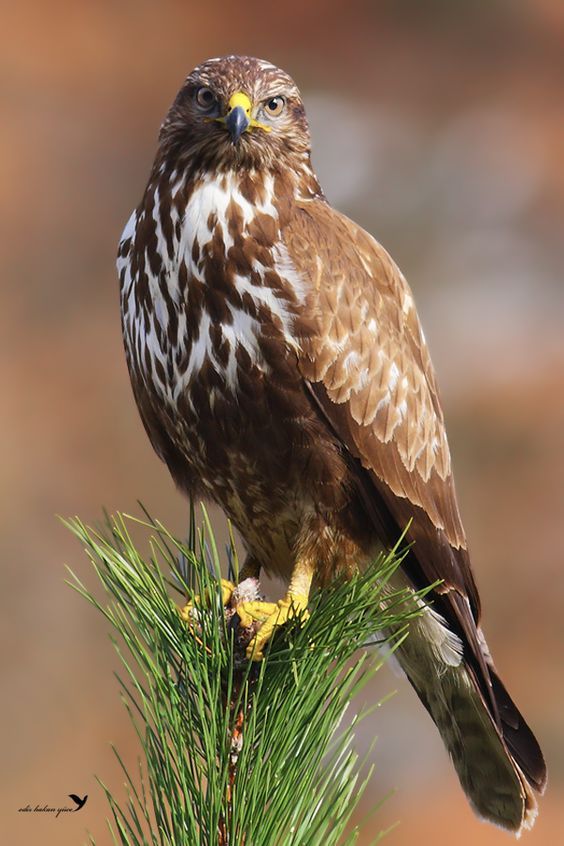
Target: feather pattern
(385, 410)
(280, 369)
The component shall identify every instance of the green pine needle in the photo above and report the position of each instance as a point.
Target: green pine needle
(290, 778)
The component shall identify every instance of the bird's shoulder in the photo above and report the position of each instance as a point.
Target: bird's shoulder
(368, 363)
(361, 296)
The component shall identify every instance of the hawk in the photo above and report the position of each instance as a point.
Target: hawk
(280, 370)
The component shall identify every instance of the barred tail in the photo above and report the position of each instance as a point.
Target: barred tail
(496, 785)
(496, 756)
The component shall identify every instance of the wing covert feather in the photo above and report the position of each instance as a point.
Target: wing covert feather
(370, 371)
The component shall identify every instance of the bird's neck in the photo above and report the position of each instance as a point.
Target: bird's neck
(290, 181)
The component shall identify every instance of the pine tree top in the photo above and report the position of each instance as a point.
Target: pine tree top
(235, 752)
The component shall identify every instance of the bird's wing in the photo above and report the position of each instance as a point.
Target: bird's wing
(368, 371)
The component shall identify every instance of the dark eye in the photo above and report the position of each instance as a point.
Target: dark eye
(205, 98)
(274, 106)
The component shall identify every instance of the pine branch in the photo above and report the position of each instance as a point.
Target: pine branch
(235, 752)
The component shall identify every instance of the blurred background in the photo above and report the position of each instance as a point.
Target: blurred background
(439, 126)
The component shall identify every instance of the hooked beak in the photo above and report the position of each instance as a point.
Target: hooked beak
(237, 122)
(238, 115)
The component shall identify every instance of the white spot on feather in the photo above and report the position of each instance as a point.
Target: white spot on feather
(129, 229)
(394, 376)
(351, 360)
(407, 303)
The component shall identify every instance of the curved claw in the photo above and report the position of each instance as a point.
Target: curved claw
(272, 616)
(227, 589)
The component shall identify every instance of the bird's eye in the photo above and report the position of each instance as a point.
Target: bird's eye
(274, 106)
(205, 98)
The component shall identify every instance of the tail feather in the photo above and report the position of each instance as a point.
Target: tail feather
(495, 754)
(518, 737)
(490, 773)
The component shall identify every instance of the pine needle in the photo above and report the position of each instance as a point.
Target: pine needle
(235, 753)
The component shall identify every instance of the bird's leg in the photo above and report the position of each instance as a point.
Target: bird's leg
(250, 569)
(275, 614)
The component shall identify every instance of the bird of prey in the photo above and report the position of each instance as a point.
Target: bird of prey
(280, 370)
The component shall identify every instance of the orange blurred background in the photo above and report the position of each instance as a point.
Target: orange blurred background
(440, 127)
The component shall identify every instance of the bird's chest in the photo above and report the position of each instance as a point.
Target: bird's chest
(211, 312)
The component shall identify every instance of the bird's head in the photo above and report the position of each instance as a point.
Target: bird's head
(236, 112)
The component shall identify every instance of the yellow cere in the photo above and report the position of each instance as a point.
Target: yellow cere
(240, 99)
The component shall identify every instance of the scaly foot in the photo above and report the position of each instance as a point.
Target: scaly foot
(272, 615)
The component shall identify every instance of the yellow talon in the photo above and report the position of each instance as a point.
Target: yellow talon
(252, 613)
(272, 615)
(227, 589)
(255, 611)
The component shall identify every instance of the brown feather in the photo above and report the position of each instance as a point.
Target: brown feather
(279, 368)
(402, 460)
